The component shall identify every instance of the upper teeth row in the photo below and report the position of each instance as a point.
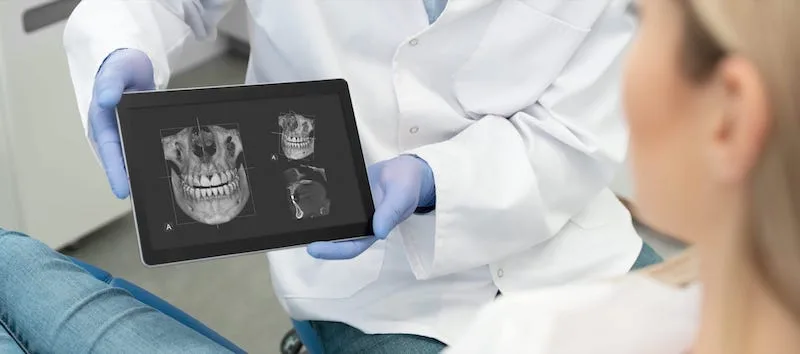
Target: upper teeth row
(296, 139)
(216, 179)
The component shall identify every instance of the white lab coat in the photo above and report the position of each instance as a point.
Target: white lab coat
(513, 103)
(634, 315)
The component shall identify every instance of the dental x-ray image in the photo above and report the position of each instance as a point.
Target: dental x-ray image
(207, 173)
(306, 185)
(307, 192)
(221, 171)
(297, 135)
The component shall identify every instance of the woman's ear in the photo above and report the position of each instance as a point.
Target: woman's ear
(740, 128)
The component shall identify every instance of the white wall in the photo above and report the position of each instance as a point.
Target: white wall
(51, 185)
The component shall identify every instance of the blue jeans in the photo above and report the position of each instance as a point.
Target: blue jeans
(50, 305)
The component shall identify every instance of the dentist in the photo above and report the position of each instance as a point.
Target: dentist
(491, 128)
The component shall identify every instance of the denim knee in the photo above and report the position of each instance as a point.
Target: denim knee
(20, 252)
(14, 244)
(15, 240)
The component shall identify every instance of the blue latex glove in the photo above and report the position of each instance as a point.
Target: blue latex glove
(123, 70)
(399, 187)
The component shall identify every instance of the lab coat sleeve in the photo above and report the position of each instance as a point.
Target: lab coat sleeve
(158, 28)
(507, 183)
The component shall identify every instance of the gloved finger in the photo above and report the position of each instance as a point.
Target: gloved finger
(106, 140)
(110, 152)
(377, 194)
(102, 118)
(340, 250)
(373, 174)
(112, 82)
(102, 111)
(398, 203)
(121, 71)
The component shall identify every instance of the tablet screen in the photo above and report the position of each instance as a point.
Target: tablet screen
(205, 173)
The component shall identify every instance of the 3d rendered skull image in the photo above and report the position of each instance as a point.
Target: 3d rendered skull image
(297, 135)
(308, 197)
(207, 172)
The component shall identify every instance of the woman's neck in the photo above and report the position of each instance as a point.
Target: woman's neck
(739, 315)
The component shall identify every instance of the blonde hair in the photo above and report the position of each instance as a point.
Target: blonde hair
(765, 33)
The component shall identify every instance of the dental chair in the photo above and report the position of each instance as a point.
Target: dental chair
(308, 340)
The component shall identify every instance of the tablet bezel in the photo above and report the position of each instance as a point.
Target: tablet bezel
(152, 257)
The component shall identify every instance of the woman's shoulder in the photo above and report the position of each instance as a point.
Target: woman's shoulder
(634, 314)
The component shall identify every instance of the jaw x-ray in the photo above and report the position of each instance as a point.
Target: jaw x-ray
(306, 185)
(297, 135)
(207, 172)
(306, 192)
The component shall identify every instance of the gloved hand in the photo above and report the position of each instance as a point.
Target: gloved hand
(122, 70)
(399, 186)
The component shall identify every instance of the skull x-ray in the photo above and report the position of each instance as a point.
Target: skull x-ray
(305, 187)
(297, 135)
(207, 173)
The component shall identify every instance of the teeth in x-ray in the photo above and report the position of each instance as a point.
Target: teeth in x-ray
(204, 163)
(225, 187)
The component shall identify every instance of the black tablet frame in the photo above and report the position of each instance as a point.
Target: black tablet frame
(148, 99)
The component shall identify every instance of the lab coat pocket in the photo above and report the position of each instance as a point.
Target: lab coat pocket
(521, 52)
(295, 274)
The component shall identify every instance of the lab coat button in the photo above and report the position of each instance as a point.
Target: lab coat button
(413, 130)
(413, 42)
(500, 273)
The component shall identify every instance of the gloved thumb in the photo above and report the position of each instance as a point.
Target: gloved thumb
(396, 205)
(124, 69)
(109, 92)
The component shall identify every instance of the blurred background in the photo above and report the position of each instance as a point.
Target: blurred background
(52, 188)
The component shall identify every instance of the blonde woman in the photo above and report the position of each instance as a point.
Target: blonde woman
(713, 102)
(713, 99)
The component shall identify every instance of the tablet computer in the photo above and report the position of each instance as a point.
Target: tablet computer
(231, 170)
